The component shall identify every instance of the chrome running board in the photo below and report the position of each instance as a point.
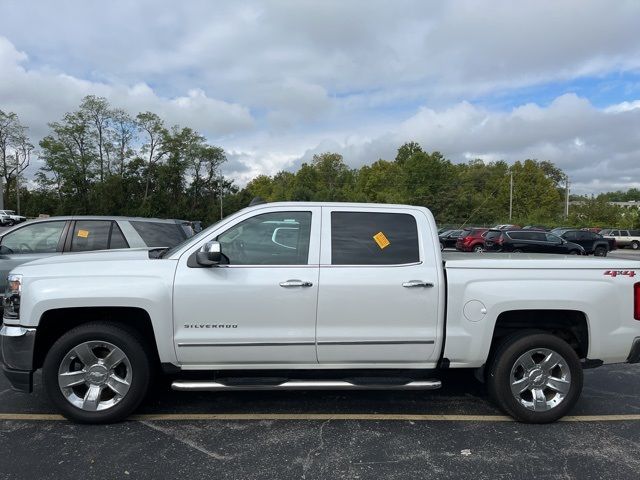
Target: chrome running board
(189, 385)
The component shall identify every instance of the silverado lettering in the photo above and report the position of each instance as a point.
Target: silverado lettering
(210, 325)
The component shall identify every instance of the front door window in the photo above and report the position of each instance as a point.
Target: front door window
(37, 238)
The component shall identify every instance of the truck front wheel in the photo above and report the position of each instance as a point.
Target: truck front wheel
(97, 373)
(535, 377)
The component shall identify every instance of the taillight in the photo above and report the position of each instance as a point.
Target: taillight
(636, 301)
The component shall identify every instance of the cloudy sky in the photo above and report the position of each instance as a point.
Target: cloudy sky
(274, 82)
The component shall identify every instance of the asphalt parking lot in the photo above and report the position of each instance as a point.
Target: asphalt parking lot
(454, 432)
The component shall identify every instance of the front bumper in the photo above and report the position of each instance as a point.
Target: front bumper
(634, 354)
(17, 355)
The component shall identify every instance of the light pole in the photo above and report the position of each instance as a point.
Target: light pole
(566, 206)
(511, 196)
(220, 188)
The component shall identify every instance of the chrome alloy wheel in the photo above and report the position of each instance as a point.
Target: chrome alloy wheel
(540, 379)
(95, 376)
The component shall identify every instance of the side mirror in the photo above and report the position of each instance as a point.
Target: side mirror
(210, 254)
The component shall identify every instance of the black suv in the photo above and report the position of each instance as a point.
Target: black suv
(531, 241)
(448, 238)
(591, 242)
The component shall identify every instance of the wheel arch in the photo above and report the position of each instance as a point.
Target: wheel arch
(570, 325)
(56, 322)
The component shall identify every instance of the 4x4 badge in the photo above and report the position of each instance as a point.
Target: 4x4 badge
(615, 273)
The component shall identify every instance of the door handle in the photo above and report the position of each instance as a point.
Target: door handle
(417, 283)
(295, 283)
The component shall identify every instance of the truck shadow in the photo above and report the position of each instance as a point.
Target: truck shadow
(460, 394)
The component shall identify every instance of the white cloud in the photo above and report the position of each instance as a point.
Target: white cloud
(587, 142)
(276, 82)
(42, 95)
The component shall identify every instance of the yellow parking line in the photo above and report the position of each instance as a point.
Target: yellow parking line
(30, 416)
(322, 416)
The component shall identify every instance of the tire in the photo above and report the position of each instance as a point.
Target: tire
(635, 245)
(534, 348)
(478, 248)
(516, 250)
(441, 246)
(78, 358)
(11, 223)
(574, 252)
(600, 251)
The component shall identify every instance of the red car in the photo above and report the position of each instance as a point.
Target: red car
(472, 240)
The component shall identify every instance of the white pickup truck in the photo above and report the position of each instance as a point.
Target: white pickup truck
(316, 296)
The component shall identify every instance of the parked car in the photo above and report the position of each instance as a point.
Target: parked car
(9, 217)
(623, 238)
(51, 236)
(506, 226)
(530, 241)
(540, 228)
(592, 243)
(560, 230)
(471, 240)
(196, 225)
(231, 301)
(449, 238)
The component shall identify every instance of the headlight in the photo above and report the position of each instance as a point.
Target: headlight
(11, 302)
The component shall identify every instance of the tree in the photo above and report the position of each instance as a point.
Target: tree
(406, 151)
(598, 212)
(15, 150)
(427, 180)
(96, 111)
(536, 198)
(121, 136)
(152, 127)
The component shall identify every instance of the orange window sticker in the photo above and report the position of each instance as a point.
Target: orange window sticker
(83, 233)
(382, 240)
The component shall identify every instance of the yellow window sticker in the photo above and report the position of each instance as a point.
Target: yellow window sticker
(382, 240)
(83, 233)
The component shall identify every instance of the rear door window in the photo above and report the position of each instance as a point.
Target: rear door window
(520, 235)
(90, 235)
(586, 236)
(159, 234)
(364, 238)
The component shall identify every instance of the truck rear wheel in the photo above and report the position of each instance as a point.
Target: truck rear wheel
(97, 373)
(535, 377)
